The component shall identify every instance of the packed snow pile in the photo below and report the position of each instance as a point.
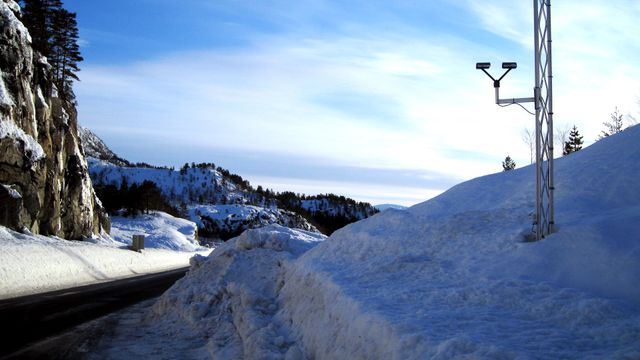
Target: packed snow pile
(161, 231)
(31, 264)
(227, 307)
(448, 278)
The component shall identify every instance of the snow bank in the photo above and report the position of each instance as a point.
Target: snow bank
(31, 264)
(161, 231)
(227, 305)
(451, 276)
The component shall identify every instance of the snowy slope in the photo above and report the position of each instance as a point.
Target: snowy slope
(451, 277)
(161, 231)
(194, 185)
(32, 263)
(448, 278)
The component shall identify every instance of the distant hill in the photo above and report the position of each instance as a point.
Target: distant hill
(223, 204)
(383, 207)
(94, 147)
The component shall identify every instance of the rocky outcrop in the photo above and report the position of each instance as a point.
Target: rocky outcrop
(44, 182)
(94, 147)
(227, 221)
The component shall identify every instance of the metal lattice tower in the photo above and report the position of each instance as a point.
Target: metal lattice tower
(543, 224)
(543, 94)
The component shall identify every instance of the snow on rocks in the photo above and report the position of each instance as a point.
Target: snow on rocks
(9, 129)
(235, 218)
(13, 193)
(5, 98)
(9, 9)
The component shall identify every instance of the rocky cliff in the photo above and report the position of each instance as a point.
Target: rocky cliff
(44, 183)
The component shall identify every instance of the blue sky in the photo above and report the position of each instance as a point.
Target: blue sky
(377, 100)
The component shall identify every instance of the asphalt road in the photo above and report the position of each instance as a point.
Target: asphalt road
(29, 319)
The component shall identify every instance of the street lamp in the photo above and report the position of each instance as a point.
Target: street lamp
(544, 222)
(496, 82)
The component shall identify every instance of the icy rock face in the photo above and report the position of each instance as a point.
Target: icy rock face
(40, 155)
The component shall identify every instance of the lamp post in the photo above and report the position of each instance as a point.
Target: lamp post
(542, 98)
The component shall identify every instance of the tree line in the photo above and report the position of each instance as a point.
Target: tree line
(327, 212)
(54, 34)
(573, 140)
(135, 199)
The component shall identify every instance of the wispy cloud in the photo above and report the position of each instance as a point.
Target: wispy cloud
(269, 96)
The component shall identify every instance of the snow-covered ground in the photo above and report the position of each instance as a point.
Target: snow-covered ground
(161, 231)
(31, 264)
(448, 278)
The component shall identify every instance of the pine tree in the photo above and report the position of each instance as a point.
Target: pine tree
(65, 51)
(508, 164)
(54, 34)
(37, 15)
(574, 143)
(614, 126)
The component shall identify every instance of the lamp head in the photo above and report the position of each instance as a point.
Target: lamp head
(509, 65)
(483, 65)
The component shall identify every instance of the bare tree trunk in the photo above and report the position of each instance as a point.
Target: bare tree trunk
(527, 137)
(562, 136)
